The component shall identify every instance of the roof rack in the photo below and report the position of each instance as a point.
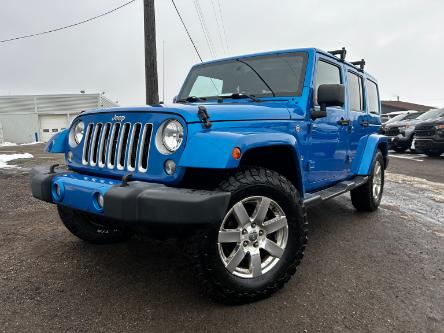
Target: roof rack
(360, 63)
(342, 52)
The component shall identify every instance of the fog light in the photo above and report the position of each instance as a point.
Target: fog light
(69, 156)
(170, 167)
(58, 190)
(100, 200)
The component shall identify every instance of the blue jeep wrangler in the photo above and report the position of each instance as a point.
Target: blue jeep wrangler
(231, 166)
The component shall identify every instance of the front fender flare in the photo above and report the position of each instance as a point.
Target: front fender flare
(367, 148)
(212, 149)
(58, 142)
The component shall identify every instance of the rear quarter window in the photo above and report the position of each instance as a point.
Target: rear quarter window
(373, 97)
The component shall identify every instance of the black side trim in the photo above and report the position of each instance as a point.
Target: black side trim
(312, 199)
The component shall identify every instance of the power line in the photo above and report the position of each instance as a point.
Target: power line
(223, 25)
(67, 26)
(204, 27)
(186, 29)
(224, 49)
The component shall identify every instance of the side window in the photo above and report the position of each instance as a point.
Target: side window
(355, 92)
(326, 73)
(373, 97)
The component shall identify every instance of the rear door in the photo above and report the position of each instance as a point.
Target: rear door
(358, 117)
(328, 137)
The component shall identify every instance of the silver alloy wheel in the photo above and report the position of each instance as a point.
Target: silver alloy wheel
(377, 180)
(253, 237)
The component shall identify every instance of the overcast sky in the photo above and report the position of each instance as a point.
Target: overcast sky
(401, 40)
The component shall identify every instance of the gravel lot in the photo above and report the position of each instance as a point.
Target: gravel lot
(380, 272)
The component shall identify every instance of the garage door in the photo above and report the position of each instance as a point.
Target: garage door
(51, 125)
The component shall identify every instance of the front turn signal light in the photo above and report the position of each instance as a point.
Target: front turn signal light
(236, 153)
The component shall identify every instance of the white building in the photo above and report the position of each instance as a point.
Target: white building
(25, 118)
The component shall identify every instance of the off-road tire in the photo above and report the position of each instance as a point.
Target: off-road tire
(433, 153)
(221, 285)
(362, 197)
(90, 228)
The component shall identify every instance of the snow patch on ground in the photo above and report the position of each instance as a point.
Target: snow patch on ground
(8, 144)
(31, 143)
(5, 158)
(415, 196)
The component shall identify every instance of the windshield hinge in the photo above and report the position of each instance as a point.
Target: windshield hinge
(204, 117)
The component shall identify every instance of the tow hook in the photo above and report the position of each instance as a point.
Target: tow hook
(52, 168)
(125, 179)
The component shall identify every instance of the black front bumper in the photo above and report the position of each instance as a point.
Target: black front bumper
(422, 143)
(136, 201)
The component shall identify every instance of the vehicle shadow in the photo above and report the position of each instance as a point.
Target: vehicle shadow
(152, 269)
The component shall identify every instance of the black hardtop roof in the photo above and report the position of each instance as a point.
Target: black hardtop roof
(350, 65)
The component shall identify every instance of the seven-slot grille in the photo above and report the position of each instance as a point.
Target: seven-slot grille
(424, 130)
(392, 131)
(117, 146)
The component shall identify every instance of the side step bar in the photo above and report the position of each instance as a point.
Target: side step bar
(314, 198)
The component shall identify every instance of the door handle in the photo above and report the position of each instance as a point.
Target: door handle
(343, 122)
(364, 123)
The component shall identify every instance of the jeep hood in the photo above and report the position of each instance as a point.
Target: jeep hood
(276, 110)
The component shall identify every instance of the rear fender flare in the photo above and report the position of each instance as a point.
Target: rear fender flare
(367, 149)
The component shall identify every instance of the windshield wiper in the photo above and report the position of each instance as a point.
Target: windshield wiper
(258, 75)
(240, 96)
(192, 99)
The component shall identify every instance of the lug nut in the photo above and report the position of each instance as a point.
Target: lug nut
(245, 243)
(244, 232)
(256, 244)
(261, 232)
(253, 225)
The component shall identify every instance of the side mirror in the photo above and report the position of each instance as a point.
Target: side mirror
(331, 95)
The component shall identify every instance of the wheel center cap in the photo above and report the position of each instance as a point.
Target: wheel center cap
(252, 236)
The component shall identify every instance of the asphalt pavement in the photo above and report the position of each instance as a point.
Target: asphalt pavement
(362, 272)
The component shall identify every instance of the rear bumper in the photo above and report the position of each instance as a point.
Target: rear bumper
(138, 202)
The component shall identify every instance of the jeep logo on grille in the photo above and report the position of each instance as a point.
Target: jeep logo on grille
(118, 118)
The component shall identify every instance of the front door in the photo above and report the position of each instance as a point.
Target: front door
(329, 135)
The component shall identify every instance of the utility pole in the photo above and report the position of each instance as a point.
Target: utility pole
(151, 80)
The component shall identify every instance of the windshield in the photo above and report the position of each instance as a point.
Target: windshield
(412, 116)
(259, 76)
(432, 114)
(396, 118)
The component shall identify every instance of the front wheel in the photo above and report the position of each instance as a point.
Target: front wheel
(254, 251)
(368, 196)
(433, 153)
(399, 149)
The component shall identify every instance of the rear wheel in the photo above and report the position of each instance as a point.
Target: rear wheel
(90, 228)
(368, 196)
(254, 251)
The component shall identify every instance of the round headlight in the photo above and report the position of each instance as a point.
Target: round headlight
(172, 135)
(79, 129)
(76, 134)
